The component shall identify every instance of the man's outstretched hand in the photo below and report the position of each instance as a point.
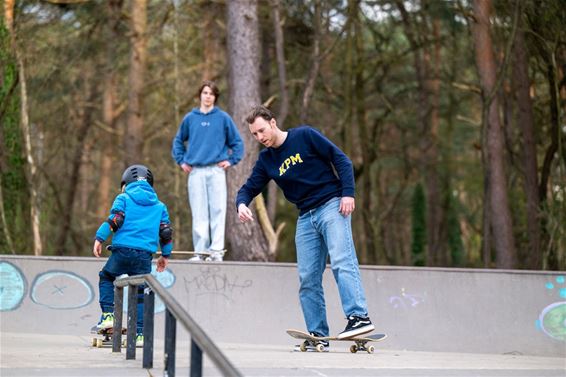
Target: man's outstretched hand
(244, 213)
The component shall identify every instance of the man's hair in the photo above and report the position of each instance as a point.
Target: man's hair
(259, 111)
(212, 85)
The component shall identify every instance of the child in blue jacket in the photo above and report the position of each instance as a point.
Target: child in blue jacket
(138, 221)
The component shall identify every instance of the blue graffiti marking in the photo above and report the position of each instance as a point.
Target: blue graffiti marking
(12, 287)
(58, 290)
(61, 290)
(166, 278)
(552, 319)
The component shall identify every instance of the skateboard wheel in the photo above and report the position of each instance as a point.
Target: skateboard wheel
(353, 348)
(93, 342)
(303, 348)
(371, 349)
(319, 348)
(98, 343)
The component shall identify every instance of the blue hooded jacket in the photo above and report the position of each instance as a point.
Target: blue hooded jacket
(143, 214)
(209, 139)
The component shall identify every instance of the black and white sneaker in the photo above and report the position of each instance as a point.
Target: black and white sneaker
(356, 326)
(313, 345)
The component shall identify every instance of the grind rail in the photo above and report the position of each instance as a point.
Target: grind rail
(173, 312)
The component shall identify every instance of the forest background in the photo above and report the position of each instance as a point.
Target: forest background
(451, 111)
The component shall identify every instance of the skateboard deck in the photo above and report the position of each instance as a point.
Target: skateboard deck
(105, 338)
(360, 342)
(206, 254)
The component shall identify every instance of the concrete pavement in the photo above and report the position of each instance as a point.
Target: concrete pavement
(31, 355)
(440, 322)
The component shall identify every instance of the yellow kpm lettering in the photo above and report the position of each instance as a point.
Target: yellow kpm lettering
(292, 160)
(296, 158)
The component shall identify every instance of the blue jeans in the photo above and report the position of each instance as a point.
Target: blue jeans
(323, 232)
(207, 197)
(123, 261)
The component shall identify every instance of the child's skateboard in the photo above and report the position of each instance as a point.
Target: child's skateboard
(106, 339)
(360, 342)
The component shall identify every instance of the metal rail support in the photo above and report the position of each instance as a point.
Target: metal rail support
(170, 343)
(200, 342)
(132, 322)
(118, 310)
(196, 360)
(148, 324)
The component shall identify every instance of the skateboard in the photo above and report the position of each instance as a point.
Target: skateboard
(206, 254)
(360, 342)
(106, 337)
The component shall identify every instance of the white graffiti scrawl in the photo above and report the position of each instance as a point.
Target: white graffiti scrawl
(406, 300)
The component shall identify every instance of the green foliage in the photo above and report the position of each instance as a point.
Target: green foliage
(418, 217)
(374, 61)
(455, 244)
(14, 184)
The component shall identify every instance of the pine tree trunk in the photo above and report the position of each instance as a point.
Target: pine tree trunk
(133, 142)
(109, 113)
(526, 123)
(498, 201)
(247, 241)
(84, 120)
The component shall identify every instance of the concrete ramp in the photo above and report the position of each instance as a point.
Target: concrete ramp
(421, 309)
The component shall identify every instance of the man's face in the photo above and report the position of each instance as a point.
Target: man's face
(264, 131)
(207, 97)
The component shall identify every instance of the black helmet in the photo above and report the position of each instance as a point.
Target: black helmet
(137, 173)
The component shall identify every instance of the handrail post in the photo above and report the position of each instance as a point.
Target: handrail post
(170, 334)
(118, 310)
(148, 325)
(132, 322)
(200, 342)
(196, 360)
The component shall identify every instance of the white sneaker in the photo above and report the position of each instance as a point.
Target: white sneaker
(216, 256)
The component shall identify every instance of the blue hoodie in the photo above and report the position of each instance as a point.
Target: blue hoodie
(143, 214)
(209, 138)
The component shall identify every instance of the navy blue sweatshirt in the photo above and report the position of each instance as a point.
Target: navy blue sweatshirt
(302, 168)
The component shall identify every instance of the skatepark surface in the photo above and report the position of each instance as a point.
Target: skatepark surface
(33, 355)
(245, 309)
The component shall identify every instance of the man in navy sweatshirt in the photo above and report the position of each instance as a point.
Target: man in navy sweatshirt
(213, 144)
(302, 161)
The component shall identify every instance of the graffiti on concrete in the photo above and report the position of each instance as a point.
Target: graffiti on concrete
(212, 281)
(61, 290)
(58, 289)
(552, 319)
(406, 300)
(12, 287)
(166, 278)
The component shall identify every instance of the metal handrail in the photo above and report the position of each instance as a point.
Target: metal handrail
(200, 341)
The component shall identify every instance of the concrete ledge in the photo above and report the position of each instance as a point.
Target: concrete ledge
(421, 309)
